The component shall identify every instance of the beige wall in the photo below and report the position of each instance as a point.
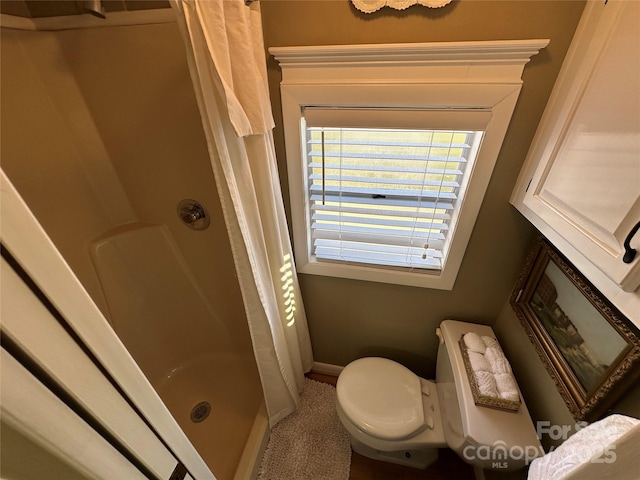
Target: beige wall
(348, 318)
(144, 107)
(41, 154)
(100, 127)
(22, 458)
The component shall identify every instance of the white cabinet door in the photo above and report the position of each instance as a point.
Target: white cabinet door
(582, 175)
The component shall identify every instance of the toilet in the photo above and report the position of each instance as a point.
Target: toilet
(393, 415)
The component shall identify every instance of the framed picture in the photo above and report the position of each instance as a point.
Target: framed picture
(589, 348)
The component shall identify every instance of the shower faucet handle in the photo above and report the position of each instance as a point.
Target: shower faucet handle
(193, 214)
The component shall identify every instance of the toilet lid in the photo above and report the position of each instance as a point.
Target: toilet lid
(381, 397)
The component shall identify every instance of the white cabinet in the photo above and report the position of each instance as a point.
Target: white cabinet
(580, 184)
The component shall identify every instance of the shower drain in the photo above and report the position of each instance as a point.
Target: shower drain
(200, 412)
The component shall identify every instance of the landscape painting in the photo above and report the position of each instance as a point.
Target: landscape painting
(588, 347)
(576, 327)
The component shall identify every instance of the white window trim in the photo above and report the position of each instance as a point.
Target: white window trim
(485, 75)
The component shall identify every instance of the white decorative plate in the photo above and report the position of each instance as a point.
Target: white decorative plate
(369, 6)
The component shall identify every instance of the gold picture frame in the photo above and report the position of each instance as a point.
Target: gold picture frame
(588, 347)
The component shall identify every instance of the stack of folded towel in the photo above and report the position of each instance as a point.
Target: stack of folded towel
(490, 368)
(592, 451)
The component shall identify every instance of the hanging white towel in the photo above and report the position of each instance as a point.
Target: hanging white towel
(596, 445)
(229, 33)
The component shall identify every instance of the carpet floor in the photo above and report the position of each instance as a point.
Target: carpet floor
(311, 443)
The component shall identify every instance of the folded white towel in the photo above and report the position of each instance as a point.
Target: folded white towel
(497, 360)
(487, 384)
(490, 367)
(474, 343)
(490, 342)
(478, 362)
(507, 386)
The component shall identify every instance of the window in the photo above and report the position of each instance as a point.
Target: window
(386, 194)
(389, 153)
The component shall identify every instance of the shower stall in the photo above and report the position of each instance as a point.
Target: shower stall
(102, 138)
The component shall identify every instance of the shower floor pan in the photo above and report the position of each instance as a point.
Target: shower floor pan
(233, 397)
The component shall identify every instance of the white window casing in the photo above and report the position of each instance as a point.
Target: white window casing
(337, 101)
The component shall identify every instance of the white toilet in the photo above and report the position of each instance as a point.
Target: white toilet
(393, 415)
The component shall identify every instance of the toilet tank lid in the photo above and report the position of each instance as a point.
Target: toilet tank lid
(482, 425)
(381, 397)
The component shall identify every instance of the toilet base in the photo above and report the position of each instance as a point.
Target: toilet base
(409, 458)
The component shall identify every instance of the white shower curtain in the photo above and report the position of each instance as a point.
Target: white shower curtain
(228, 68)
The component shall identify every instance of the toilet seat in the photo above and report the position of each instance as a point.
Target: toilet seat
(382, 398)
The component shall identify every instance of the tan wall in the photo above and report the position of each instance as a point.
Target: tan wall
(41, 154)
(146, 112)
(22, 458)
(348, 318)
(101, 127)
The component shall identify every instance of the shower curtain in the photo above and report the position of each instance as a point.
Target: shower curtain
(227, 63)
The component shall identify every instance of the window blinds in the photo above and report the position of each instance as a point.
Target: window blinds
(385, 185)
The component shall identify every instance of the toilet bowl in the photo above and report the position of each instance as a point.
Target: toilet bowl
(393, 415)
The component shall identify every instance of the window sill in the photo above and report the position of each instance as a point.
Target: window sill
(416, 278)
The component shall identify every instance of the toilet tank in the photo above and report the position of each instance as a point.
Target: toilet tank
(482, 436)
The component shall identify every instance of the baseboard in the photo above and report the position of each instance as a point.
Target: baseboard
(254, 449)
(326, 369)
